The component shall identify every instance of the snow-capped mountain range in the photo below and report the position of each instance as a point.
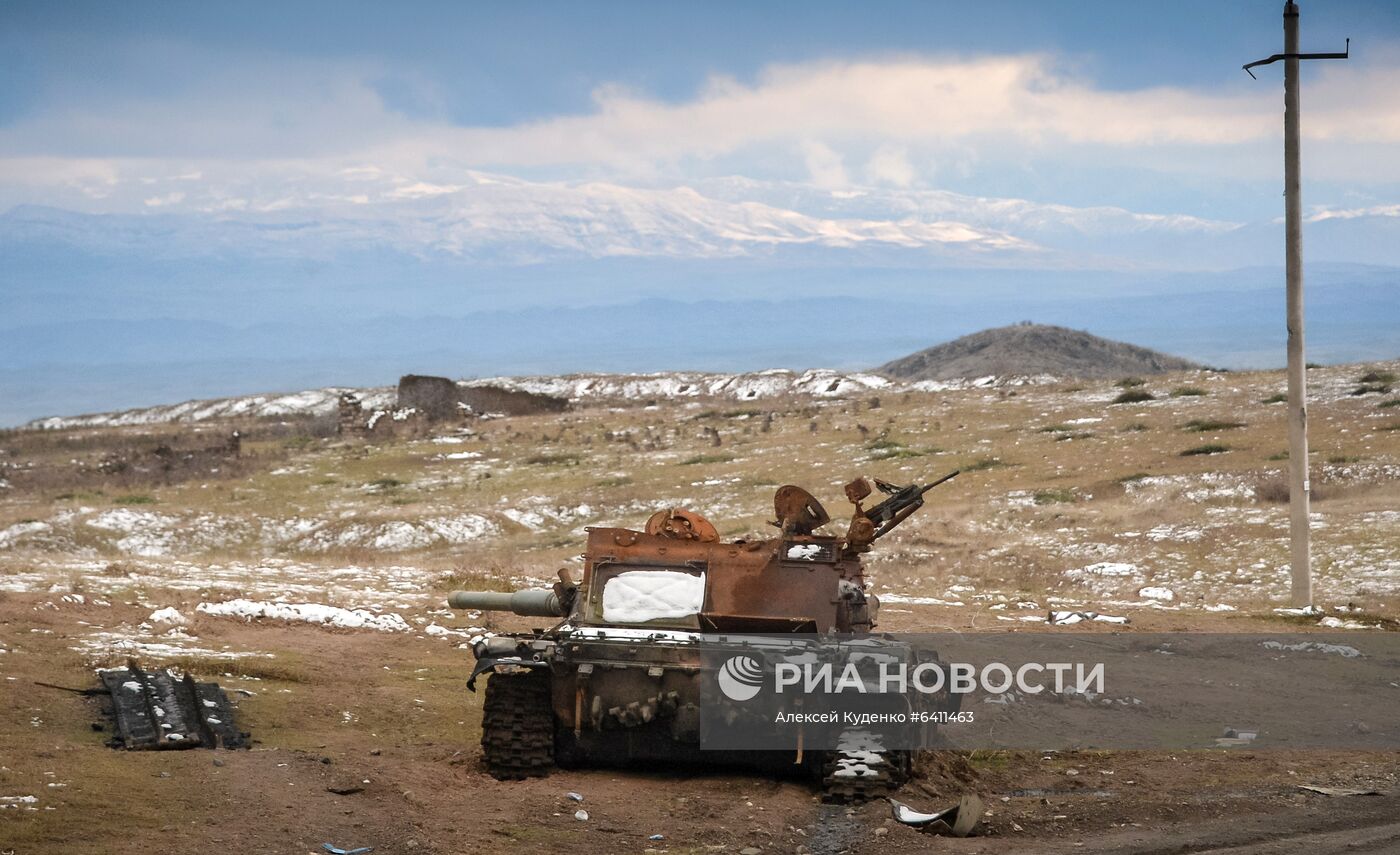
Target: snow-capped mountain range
(513, 221)
(577, 388)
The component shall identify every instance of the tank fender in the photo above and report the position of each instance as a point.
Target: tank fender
(489, 664)
(504, 650)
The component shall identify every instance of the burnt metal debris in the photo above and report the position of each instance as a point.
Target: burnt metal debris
(956, 821)
(157, 711)
(609, 683)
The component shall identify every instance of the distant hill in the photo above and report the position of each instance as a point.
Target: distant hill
(1031, 349)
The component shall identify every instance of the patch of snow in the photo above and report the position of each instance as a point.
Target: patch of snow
(310, 402)
(13, 534)
(169, 614)
(1338, 623)
(1304, 611)
(307, 613)
(1165, 595)
(1343, 650)
(1169, 532)
(17, 802)
(1070, 618)
(918, 601)
(1106, 568)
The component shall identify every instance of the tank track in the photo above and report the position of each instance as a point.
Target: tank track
(517, 725)
(861, 769)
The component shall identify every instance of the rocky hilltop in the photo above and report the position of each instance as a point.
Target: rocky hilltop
(1032, 350)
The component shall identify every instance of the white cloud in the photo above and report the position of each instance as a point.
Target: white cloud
(1025, 100)
(890, 165)
(421, 190)
(824, 165)
(162, 201)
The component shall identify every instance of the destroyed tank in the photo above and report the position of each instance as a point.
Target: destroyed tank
(617, 677)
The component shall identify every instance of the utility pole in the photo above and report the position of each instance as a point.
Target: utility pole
(1299, 489)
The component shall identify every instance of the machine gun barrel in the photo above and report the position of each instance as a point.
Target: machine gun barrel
(901, 503)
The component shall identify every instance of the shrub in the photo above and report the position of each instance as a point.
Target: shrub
(1130, 382)
(1189, 392)
(553, 459)
(1378, 377)
(1212, 448)
(1053, 497)
(386, 483)
(1210, 425)
(1134, 427)
(1274, 490)
(707, 458)
(1136, 476)
(133, 499)
(1371, 389)
(1134, 396)
(984, 463)
(902, 453)
(1276, 398)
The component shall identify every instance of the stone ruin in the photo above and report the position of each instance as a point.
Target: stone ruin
(425, 403)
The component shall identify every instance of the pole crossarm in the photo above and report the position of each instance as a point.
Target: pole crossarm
(1346, 54)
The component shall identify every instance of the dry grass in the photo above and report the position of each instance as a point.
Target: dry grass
(1088, 475)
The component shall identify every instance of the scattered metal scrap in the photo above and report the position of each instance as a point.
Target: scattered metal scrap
(1338, 791)
(956, 821)
(157, 710)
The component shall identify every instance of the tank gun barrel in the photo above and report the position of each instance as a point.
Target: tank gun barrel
(542, 603)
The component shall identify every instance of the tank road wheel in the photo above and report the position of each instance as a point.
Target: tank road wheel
(860, 770)
(517, 725)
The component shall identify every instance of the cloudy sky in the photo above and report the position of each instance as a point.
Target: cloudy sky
(132, 107)
(261, 162)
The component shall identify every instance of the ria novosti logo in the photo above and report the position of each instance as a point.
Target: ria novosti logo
(740, 678)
